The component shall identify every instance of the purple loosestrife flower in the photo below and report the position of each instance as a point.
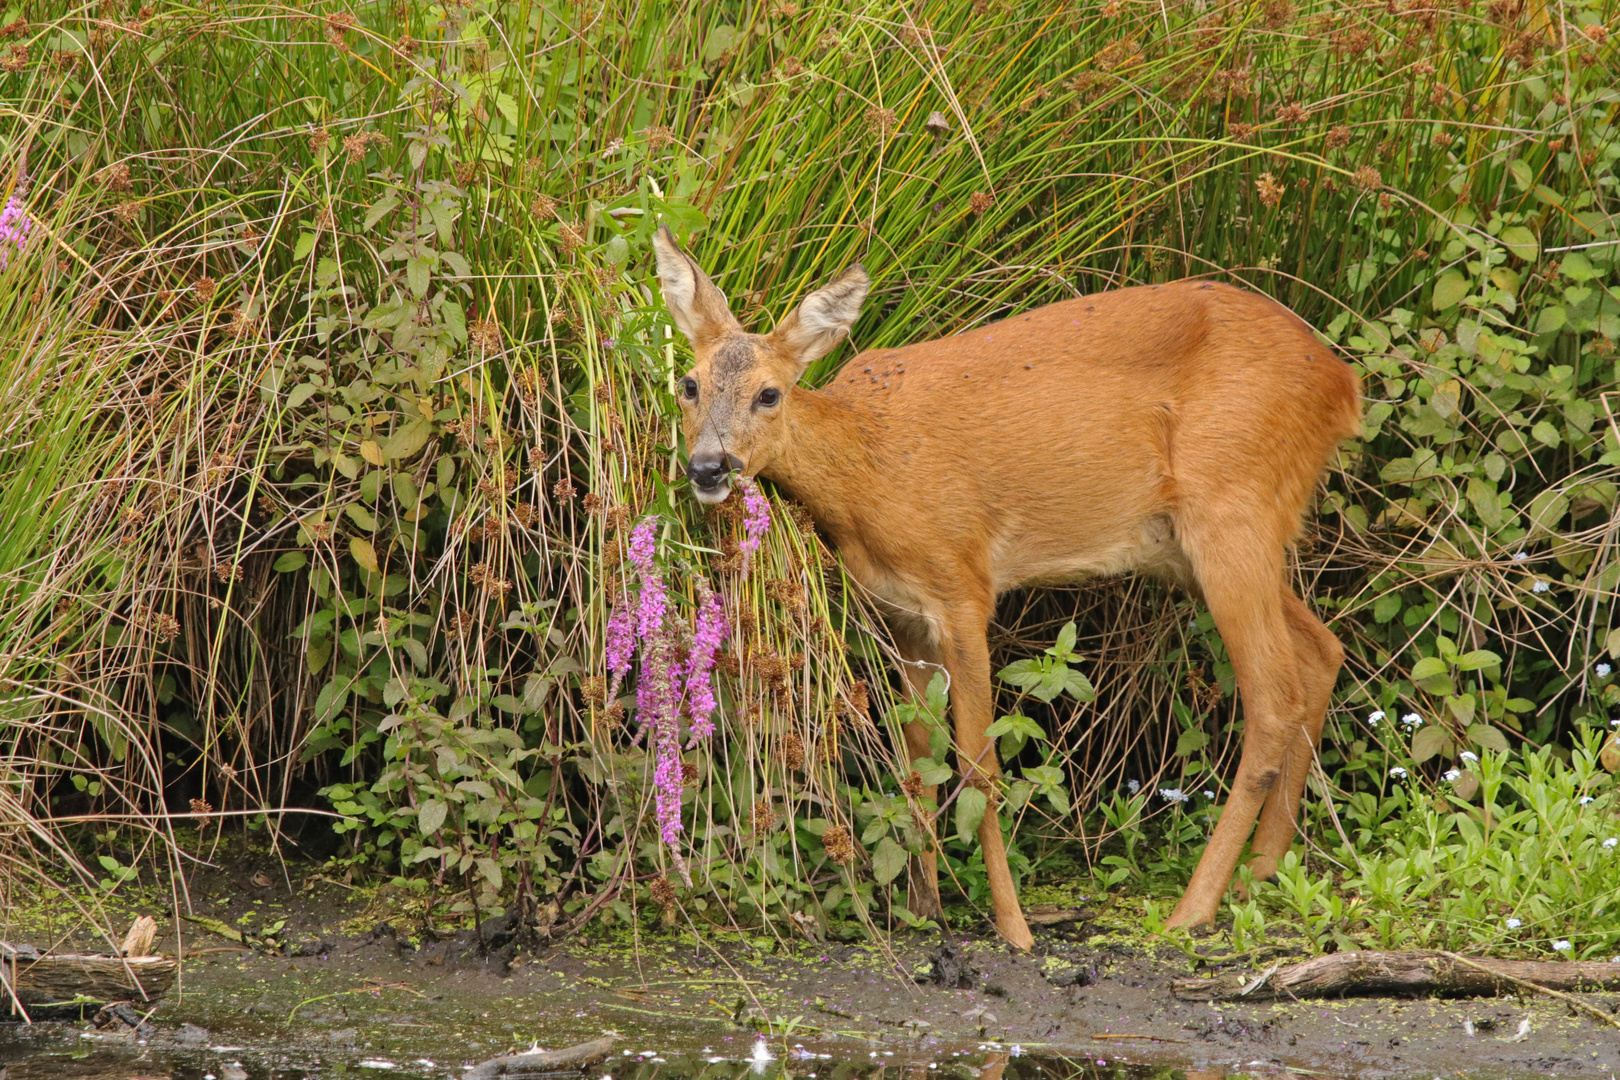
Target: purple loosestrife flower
(15, 225)
(711, 630)
(621, 642)
(757, 519)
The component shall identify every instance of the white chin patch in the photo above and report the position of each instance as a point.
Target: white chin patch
(711, 495)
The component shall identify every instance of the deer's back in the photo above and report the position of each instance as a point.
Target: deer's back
(1067, 440)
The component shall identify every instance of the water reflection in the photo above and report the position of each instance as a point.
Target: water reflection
(60, 1052)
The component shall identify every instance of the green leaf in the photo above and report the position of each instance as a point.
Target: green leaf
(364, 554)
(1023, 673)
(1386, 607)
(1449, 288)
(1065, 641)
(931, 771)
(361, 517)
(379, 209)
(1478, 660)
(405, 442)
(431, 816)
(1429, 741)
(1428, 668)
(888, 859)
(1462, 707)
(1521, 242)
(1483, 497)
(1190, 741)
(1488, 737)
(305, 245)
(418, 271)
(1545, 433)
(491, 870)
(970, 807)
(293, 560)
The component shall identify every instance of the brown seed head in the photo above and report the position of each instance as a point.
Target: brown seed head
(791, 750)
(201, 806)
(881, 121)
(484, 335)
(1293, 113)
(338, 25)
(543, 207)
(1270, 191)
(980, 201)
(840, 847)
(1367, 178)
(912, 785)
(1337, 137)
(15, 59)
(662, 890)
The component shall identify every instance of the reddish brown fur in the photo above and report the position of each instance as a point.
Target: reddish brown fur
(1177, 430)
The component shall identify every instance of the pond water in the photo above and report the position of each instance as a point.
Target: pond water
(64, 1052)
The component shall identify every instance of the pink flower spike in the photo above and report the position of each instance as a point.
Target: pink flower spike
(710, 631)
(644, 544)
(756, 520)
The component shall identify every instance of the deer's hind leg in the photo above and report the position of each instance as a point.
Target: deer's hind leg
(1320, 656)
(917, 668)
(1238, 563)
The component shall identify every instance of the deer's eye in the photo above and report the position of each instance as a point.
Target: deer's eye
(689, 388)
(769, 396)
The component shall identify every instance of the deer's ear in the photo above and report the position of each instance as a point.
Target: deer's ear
(823, 318)
(699, 309)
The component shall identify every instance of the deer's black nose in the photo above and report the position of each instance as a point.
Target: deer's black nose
(707, 472)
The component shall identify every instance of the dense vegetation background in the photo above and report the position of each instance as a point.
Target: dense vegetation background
(333, 382)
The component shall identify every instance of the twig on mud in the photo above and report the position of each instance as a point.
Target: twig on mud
(1150, 1038)
(374, 988)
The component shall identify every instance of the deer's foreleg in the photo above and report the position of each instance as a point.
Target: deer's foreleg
(967, 657)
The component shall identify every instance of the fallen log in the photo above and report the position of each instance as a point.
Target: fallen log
(1365, 972)
(29, 977)
(542, 1062)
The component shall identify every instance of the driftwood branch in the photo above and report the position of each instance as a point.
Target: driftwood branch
(568, 1059)
(1346, 973)
(33, 978)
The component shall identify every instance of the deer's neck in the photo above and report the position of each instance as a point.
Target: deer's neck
(829, 463)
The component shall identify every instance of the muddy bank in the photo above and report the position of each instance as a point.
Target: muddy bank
(368, 985)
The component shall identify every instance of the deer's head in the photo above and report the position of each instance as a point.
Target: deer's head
(736, 398)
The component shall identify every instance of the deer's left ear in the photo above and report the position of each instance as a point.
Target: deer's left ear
(699, 308)
(822, 319)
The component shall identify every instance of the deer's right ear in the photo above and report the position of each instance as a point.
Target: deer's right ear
(699, 309)
(822, 319)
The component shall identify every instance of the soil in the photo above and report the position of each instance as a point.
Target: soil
(367, 982)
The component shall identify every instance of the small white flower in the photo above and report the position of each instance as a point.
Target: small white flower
(1397, 771)
(1015, 1050)
(1175, 795)
(1585, 799)
(1611, 843)
(1520, 556)
(1602, 671)
(1451, 774)
(1412, 720)
(1376, 717)
(1134, 785)
(1540, 586)
(1514, 924)
(1209, 794)
(1615, 722)
(1562, 946)
(1468, 755)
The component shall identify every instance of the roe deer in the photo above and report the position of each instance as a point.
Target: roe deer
(1173, 429)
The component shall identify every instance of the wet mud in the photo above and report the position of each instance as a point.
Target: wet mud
(360, 990)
